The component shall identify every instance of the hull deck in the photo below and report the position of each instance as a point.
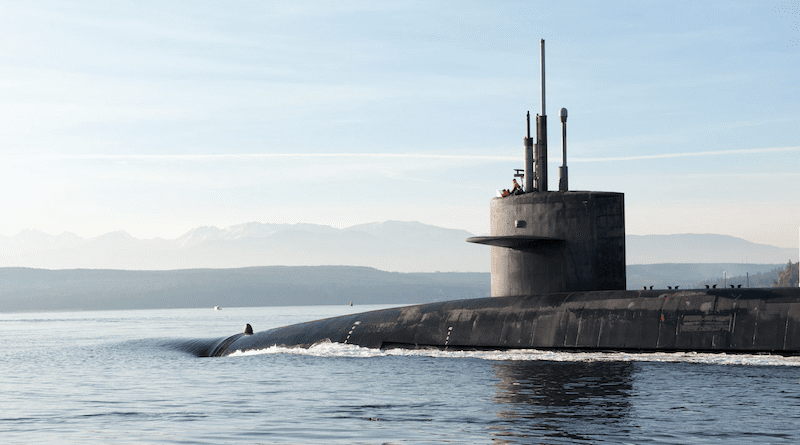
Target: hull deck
(721, 320)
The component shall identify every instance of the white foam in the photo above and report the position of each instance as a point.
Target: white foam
(344, 350)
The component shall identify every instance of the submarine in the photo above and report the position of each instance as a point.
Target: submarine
(558, 282)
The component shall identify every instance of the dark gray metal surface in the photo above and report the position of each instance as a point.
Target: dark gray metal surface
(724, 320)
(591, 256)
(514, 241)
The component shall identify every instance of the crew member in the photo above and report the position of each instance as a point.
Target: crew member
(517, 189)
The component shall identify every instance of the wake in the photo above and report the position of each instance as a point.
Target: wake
(328, 349)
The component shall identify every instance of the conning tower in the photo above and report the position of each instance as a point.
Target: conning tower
(546, 242)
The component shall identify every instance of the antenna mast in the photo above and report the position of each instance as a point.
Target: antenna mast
(541, 139)
(529, 159)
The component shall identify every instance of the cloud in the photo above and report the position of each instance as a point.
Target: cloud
(244, 156)
(488, 158)
(691, 154)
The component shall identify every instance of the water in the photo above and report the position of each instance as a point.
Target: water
(122, 377)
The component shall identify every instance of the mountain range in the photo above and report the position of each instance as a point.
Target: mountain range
(396, 246)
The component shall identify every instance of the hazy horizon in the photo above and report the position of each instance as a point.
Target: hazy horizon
(164, 117)
(394, 246)
(300, 224)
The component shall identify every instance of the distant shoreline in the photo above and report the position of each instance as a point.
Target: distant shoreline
(27, 289)
(45, 290)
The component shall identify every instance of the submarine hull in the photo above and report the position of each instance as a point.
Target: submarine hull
(716, 320)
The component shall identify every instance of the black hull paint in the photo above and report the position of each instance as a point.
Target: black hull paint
(716, 320)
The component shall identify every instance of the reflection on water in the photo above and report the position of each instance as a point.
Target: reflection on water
(562, 401)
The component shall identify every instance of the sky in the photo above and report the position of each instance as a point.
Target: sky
(159, 117)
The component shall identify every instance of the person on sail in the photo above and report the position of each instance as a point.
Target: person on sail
(517, 190)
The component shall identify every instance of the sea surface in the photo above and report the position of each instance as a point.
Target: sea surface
(122, 377)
